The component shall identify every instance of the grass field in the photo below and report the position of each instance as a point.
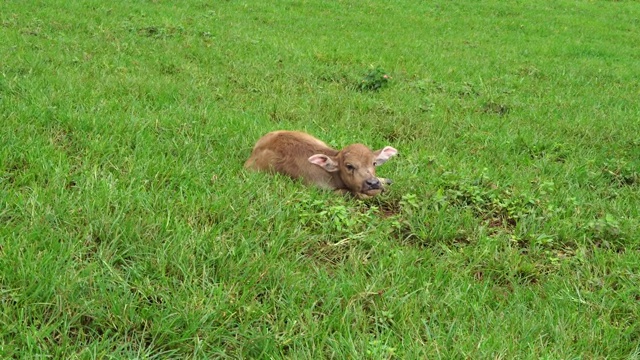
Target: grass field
(129, 229)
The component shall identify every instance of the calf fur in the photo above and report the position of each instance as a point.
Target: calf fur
(301, 156)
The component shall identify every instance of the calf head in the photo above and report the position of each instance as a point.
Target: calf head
(356, 167)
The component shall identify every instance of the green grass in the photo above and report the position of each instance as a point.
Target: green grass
(129, 229)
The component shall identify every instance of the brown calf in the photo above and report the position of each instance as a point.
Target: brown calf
(300, 155)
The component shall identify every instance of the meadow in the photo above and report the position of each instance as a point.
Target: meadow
(129, 228)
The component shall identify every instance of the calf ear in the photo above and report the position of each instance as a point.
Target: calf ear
(324, 162)
(383, 155)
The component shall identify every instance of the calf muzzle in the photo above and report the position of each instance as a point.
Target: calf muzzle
(372, 184)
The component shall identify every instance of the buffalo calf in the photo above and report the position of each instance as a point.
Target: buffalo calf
(301, 156)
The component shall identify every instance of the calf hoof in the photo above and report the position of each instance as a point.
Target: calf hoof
(385, 181)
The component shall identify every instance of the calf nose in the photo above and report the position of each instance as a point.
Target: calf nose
(373, 183)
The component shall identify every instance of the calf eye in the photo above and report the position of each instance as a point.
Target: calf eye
(350, 167)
